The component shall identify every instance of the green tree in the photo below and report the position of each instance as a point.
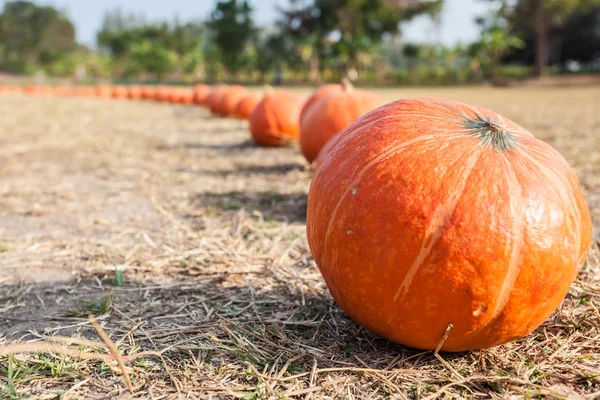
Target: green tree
(539, 15)
(496, 39)
(348, 28)
(37, 35)
(232, 28)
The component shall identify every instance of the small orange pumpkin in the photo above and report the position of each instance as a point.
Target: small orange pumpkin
(187, 97)
(134, 93)
(175, 95)
(31, 90)
(275, 120)
(119, 92)
(163, 94)
(214, 99)
(332, 114)
(103, 91)
(436, 222)
(149, 93)
(246, 105)
(201, 91)
(323, 91)
(229, 100)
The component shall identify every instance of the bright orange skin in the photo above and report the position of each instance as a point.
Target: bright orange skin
(332, 114)
(201, 91)
(84, 91)
(275, 120)
(246, 105)
(63, 91)
(321, 92)
(229, 100)
(163, 94)
(120, 92)
(417, 223)
(31, 90)
(134, 93)
(213, 101)
(148, 93)
(187, 97)
(104, 92)
(175, 95)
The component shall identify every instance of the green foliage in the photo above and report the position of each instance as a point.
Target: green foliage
(33, 36)
(495, 40)
(232, 28)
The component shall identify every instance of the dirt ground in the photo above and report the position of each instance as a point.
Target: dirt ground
(217, 281)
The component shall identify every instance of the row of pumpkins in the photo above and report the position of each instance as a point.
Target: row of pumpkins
(435, 224)
(277, 117)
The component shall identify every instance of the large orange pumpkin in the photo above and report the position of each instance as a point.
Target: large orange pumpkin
(201, 91)
(120, 92)
(323, 91)
(332, 114)
(229, 100)
(134, 93)
(431, 216)
(275, 120)
(246, 105)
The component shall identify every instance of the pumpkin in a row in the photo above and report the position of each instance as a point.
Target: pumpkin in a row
(438, 224)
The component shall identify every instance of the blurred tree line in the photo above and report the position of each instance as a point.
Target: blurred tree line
(311, 41)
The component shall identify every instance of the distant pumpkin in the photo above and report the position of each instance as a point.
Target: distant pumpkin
(332, 114)
(436, 222)
(201, 92)
(246, 105)
(120, 92)
(149, 93)
(318, 94)
(163, 94)
(31, 90)
(275, 120)
(103, 91)
(229, 100)
(134, 93)
(187, 97)
(213, 101)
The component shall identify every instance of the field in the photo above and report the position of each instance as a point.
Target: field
(187, 242)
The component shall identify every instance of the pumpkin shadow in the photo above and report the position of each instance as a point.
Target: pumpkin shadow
(225, 147)
(283, 207)
(255, 169)
(280, 319)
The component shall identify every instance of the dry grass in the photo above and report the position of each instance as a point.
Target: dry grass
(187, 244)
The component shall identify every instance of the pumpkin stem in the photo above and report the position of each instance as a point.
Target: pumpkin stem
(348, 87)
(492, 132)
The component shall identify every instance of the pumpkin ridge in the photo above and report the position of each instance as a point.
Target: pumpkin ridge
(550, 174)
(390, 151)
(516, 256)
(434, 230)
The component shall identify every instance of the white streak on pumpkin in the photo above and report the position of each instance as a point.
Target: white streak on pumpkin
(434, 230)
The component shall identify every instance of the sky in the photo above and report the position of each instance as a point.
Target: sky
(457, 20)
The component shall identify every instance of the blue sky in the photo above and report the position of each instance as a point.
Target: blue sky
(457, 17)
